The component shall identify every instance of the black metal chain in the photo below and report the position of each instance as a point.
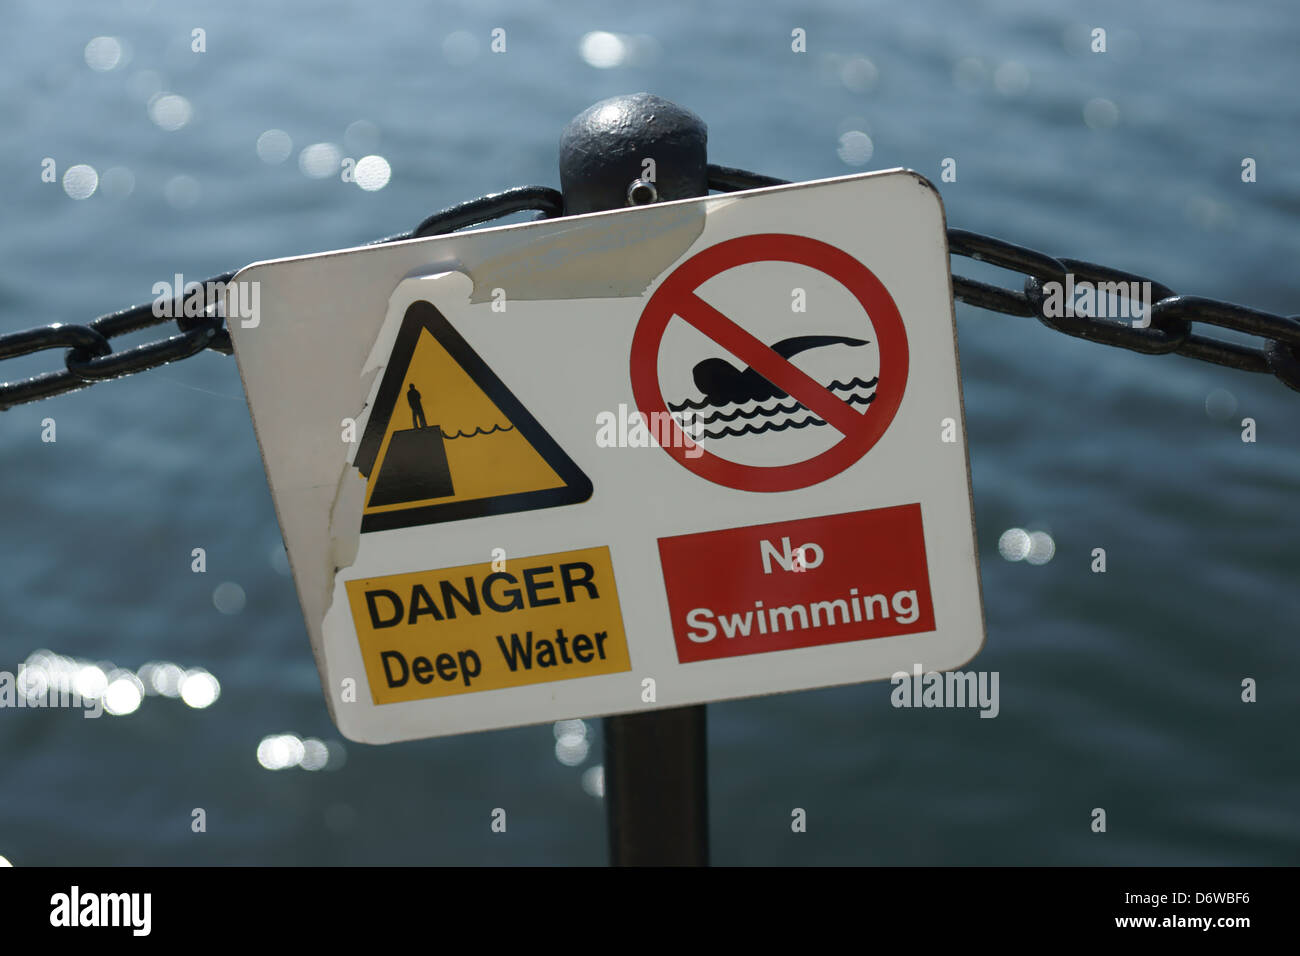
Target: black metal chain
(90, 357)
(1168, 327)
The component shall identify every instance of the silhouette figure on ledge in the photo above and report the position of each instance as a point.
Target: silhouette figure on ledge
(417, 409)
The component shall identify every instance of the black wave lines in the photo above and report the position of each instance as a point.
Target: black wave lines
(477, 431)
(765, 427)
(747, 429)
(707, 402)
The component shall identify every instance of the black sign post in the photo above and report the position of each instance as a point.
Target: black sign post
(631, 151)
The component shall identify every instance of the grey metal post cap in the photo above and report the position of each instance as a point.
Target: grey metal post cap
(603, 149)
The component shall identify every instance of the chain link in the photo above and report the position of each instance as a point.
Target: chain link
(1169, 321)
(1168, 330)
(90, 357)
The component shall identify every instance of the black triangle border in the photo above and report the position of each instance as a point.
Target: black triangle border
(422, 316)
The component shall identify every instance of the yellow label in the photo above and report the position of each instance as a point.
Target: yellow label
(528, 621)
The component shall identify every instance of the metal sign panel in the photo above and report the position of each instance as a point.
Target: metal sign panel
(681, 453)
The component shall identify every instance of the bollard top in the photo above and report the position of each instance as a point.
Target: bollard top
(603, 151)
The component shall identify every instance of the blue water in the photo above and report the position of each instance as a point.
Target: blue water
(1119, 690)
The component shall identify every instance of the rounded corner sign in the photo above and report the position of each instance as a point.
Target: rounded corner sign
(561, 496)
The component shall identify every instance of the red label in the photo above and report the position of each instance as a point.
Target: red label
(773, 587)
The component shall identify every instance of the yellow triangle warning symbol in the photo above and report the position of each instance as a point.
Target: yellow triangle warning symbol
(448, 441)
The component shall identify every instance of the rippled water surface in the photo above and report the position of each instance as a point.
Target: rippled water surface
(1119, 690)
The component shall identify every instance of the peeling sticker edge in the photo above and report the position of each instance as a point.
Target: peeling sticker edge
(347, 506)
(590, 258)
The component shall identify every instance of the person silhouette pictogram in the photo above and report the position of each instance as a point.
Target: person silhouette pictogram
(417, 410)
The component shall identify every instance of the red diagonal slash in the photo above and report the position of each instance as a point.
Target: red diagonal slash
(777, 370)
(676, 297)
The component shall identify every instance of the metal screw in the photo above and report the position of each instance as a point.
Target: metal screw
(642, 192)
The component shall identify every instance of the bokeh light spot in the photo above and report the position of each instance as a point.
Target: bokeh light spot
(80, 181)
(372, 173)
(103, 53)
(274, 147)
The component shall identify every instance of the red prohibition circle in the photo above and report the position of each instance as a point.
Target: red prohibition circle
(676, 297)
